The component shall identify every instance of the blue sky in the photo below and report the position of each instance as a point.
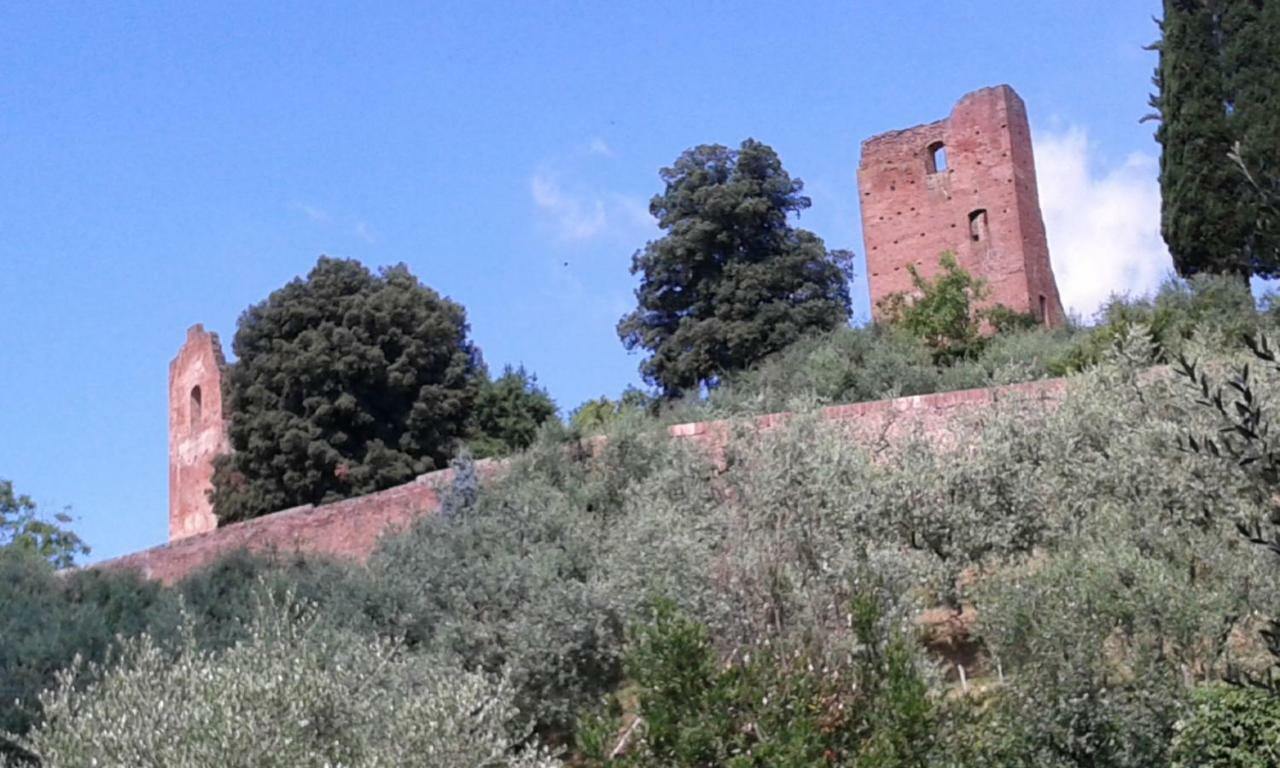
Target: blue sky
(163, 164)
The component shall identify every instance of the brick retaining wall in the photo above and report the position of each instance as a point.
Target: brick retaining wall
(351, 528)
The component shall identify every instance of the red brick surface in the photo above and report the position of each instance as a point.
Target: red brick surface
(196, 434)
(911, 216)
(943, 418)
(347, 529)
(351, 528)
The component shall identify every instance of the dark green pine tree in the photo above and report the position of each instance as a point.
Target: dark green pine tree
(1202, 220)
(508, 413)
(1250, 31)
(346, 382)
(731, 280)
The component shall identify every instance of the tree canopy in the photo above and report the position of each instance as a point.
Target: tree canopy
(508, 412)
(346, 382)
(23, 528)
(1215, 83)
(731, 280)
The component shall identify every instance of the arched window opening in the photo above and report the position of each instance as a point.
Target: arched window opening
(935, 158)
(978, 226)
(196, 406)
(1044, 309)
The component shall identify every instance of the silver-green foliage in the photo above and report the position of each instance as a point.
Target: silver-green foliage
(1102, 560)
(292, 694)
(510, 579)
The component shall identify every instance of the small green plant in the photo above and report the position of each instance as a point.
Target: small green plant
(942, 311)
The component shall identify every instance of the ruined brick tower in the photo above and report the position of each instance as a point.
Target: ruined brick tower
(196, 431)
(966, 184)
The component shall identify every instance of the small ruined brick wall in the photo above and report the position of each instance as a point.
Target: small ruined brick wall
(983, 206)
(351, 528)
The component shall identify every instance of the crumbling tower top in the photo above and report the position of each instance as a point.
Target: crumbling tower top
(965, 184)
(196, 432)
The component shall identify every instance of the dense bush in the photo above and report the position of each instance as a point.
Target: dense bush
(47, 620)
(219, 599)
(856, 364)
(293, 693)
(600, 414)
(511, 579)
(1229, 727)
(1218, 309)
(769, 706)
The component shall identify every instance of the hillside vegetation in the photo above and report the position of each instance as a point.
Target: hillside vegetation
(811, 602)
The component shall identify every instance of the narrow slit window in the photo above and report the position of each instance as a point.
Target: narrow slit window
(1044, 309)
(935, 158)
(978, 226)
(196, 406)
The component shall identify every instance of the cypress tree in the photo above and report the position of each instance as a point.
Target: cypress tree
(1250, 32)
(1202, 220)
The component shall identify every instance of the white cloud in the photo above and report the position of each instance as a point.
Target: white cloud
(358, 228)
(1103, 223)
(311, 212)
(362, 231)
(599, 147)
(580, 217)
(574, 217)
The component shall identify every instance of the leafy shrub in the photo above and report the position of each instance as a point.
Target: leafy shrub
(23, 527)
(293, 693)
(1244, 440)
(219, 599)
(847, 365)
(512, 579)
(942, 311)
(47, 620)
(1028, 354)
(599, 415)
(772, 706)
(1217, 308)
(1229, 727)
(1081, 638)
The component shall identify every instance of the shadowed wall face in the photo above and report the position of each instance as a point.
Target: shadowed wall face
(197, 433)
(966, 184)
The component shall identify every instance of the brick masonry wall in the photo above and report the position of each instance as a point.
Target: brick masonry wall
(197, 431)
(351, 528)
(913, 210)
